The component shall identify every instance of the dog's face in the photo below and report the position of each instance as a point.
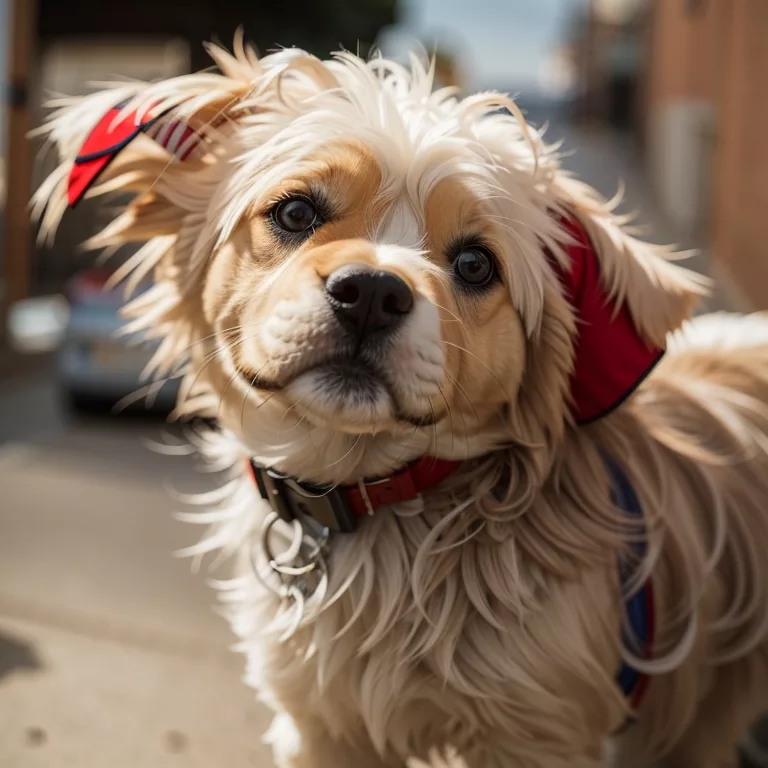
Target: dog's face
(366, 305)
(360, 272)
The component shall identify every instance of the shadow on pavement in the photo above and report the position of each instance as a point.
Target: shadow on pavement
(17, 655)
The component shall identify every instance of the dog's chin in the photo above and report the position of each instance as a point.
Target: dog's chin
(348, 398)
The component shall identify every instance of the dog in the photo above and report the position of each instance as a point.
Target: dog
(494, 496)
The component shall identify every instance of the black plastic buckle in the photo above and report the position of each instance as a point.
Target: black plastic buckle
(292, 500)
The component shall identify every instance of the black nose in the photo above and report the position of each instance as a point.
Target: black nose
(368, 300)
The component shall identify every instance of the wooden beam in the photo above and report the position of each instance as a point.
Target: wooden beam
(16, 262)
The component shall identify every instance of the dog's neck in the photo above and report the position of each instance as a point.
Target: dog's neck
(389, 470)
(322, 455)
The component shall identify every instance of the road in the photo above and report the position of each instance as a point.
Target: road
(111, 653)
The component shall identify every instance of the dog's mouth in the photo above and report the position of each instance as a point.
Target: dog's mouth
(347, 388)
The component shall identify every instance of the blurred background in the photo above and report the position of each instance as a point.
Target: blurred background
(110, 652)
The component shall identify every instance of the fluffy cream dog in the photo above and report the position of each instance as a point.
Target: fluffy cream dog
(352, 274)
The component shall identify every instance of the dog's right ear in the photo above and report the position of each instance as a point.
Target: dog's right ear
(169, 144)
(143, 138)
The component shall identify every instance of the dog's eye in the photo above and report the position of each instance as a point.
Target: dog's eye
(474, 265)
(295, 215)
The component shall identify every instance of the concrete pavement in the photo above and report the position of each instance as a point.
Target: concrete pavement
(111, 653)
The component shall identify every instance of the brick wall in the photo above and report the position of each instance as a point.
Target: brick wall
(711, 56)
(741, 199)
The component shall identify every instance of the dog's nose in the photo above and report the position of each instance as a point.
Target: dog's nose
(368, 300)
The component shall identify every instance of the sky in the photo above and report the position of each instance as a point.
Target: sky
(501, 43)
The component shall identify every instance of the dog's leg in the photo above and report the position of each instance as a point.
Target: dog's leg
(307, 744)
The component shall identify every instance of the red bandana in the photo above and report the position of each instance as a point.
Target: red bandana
(612, 359)
(108, 137)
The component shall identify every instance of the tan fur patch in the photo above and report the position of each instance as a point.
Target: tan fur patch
(483, 330)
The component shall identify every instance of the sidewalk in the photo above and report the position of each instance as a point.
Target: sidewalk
(111, 652)
(74, 698)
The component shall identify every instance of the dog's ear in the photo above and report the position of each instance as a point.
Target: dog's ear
(137, 137)
(659, 295)
(170, 145)
(625, 295)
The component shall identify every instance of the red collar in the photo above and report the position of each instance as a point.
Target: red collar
(339, 507)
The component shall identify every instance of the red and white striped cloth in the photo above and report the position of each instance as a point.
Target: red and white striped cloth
(114, 131)
(175, 136)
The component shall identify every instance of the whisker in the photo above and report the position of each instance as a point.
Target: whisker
(150, 390)
(287, 411)
(245, 397)
(221, 331)
(234, 376)
(434, 424)
(408, 444)
(177, 370)
(265, 400)
(461, 389)
(445, 309)
(339, 460)
(215, 353)
(450, 417)
(461, 412)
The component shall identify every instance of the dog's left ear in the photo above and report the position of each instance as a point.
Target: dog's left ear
(658, 294)
(626, 298)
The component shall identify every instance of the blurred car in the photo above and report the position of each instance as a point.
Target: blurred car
(97, 367)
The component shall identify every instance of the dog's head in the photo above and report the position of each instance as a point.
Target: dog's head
(354, 270)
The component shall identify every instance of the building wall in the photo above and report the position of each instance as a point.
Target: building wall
(706, 114)
(741, 200)
(684, 61)
(3, 117)
(606, 56)
(685, 53)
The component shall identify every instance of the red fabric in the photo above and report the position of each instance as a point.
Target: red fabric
(173, 136)
(407, 485)
(611, 357)
(101, 146)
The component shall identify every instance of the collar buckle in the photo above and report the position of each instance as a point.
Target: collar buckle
(309, 504)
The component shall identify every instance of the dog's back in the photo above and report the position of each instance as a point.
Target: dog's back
(707, 408)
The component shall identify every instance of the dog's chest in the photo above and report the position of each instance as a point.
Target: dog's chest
(411, 638)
